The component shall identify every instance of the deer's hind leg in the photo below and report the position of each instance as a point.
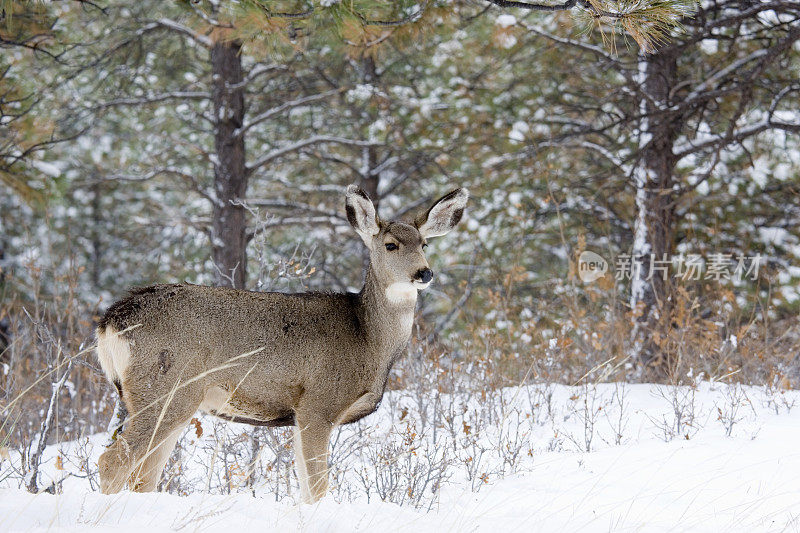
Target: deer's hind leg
(153, 438)
(115, 465)
(139, 454)
(146, 476)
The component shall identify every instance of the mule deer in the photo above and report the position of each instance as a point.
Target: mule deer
(312, 360)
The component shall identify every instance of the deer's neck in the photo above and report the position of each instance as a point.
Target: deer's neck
(387, 314)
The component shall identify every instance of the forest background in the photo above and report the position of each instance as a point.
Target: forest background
(211, 142)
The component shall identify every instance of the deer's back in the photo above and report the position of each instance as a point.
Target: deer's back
(290, 330)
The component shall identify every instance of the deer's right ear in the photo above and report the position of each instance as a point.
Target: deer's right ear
(443, 215)
(361, 214)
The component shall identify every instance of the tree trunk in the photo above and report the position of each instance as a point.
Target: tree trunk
(229, 237)
(369, 156)
(5, 333)
(654, 230)
(94, 233)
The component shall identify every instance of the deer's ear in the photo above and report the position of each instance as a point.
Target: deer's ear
(443, 215)
(361, 214)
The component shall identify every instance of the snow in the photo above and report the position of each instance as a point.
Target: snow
(361, 92)
(506, 40)
(709, 46)
(761, 171)
(772, 235)
(47, 168)
(731, 464)
(445, 51)
(506, 21)
(518, 131)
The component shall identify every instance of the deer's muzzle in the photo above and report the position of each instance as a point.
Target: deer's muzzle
(424, 275)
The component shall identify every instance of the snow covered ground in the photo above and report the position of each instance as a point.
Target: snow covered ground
(714, 458)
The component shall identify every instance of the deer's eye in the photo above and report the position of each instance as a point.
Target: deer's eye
(424, 245)
(391, 246)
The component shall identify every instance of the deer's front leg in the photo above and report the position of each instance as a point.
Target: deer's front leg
(311, 436)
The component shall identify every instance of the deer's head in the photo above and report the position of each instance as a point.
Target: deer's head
(396, 248)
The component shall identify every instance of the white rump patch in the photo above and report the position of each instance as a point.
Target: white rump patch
(402, 292)
(113, 352)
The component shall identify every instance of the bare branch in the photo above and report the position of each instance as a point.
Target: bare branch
(737, 136)
(720, 74)
(196, 186)
(336, 189)
(208, 18)
(294, 147)
(266, 115)
(177, 95)
(326, 156)
(294, 206)
(576, 44)
(258, 70)
(284, 15)
(177, 27)
(334, 222)
(569, 4)
(616, 161)
(413, 17)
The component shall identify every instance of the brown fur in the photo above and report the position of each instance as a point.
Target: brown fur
(313, 360)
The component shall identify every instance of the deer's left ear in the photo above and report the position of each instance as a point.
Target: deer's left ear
(443, 215)
(361, 214)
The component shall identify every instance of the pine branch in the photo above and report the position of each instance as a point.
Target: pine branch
(646, 21)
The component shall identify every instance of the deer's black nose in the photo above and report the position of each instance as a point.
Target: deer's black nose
(424, 275)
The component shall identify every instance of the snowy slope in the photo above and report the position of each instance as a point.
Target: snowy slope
(651, 481)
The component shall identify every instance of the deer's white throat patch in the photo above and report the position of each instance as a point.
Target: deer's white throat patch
(401, 292)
